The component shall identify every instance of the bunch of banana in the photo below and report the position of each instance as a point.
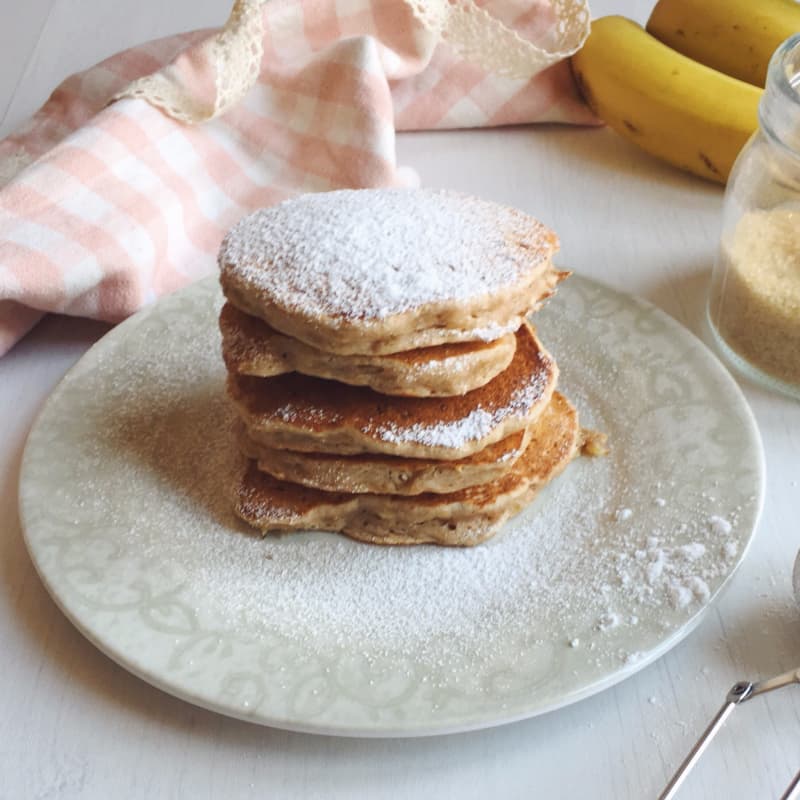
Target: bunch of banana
(737, 37)
(670, 105)
(684, 112)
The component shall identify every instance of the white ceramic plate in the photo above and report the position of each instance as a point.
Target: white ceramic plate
(124, 510)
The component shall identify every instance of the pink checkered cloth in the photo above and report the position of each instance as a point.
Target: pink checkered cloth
(107, 205)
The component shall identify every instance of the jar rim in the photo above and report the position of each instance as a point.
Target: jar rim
(779, 109)
(778, 74)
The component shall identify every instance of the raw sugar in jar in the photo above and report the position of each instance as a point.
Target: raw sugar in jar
(754, 302)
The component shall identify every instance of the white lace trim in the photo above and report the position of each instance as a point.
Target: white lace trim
(482, 39)
(478, 37)
(235, 53)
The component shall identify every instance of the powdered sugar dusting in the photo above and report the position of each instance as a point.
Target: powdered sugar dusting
(372, 253)
(474, 426)
(546, 569)
(491, 333)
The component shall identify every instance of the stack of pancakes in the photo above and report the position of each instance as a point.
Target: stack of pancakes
(386, 380)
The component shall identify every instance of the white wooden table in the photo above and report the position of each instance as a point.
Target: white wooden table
(73, 724)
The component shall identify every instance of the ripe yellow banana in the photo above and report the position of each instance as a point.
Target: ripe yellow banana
(736, 37)
(683, 112)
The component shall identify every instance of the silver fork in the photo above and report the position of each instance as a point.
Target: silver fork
(739, 693)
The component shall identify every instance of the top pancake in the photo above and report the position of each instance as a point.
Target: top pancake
(386, 270)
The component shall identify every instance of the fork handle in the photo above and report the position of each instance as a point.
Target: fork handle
(793, 790)
(697, 751)
(738, 694)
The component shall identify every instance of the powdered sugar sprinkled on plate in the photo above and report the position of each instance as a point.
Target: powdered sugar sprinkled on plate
(719, 525)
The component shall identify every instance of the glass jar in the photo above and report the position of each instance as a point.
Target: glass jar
(754, 302)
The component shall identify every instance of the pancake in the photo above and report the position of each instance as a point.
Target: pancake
(464, 518)
(376, 271)
(251, 347)
(379, 474)
(312, 415)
